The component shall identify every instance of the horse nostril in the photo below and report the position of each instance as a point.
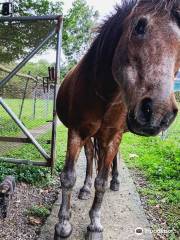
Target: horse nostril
(146, 110)
(175, 111)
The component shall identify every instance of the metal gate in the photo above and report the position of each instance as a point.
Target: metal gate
(29, 74)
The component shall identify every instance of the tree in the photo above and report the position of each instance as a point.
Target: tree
(18, 39)
(78, 29)
(40, 7)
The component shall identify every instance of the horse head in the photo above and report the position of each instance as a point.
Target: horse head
(145, 63)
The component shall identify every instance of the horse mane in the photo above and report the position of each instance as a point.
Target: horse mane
(109, 32)
(161, 7)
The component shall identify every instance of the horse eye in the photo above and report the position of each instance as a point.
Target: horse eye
(141, 26)
(177, 17)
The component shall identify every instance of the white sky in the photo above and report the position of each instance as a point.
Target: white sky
(104, 7)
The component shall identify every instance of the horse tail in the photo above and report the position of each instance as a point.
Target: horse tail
(96, 152)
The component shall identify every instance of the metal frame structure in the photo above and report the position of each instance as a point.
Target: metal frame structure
(57, 31)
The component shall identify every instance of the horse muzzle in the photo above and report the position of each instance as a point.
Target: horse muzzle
(149, 126)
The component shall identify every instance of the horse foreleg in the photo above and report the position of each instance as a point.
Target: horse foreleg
(63, 228)
(114, 184)
(109, 150)
(85, 191)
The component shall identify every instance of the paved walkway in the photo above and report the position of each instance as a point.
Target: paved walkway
(122, 212)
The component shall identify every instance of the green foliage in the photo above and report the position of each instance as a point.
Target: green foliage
(35, 175)
(40, 7)
(61, 147)
(66, 68)
(27, 174)
(77, 29)
(23, 37)
(38, 211)
(24, 173)
(159, 162)
(39, 69)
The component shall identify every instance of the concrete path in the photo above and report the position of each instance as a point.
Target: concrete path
(122, 213)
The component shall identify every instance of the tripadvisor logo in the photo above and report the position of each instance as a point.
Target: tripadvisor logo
(139, 231)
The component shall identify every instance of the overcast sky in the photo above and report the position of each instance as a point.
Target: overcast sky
(104, 7)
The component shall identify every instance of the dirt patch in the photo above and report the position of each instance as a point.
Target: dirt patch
(18, 224)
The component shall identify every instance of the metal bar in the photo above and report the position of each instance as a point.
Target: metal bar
(24, 95)
(34, 99)
(34, 103)
(23, 161)
(24, 129)
(30, 18)
(15, 139)
(27, 58)
(57, 75)
(20, 140)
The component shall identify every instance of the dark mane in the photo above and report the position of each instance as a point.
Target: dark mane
(102, 49)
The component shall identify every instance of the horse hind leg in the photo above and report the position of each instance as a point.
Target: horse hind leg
(63, 228)
(114, 184)
(85, 191)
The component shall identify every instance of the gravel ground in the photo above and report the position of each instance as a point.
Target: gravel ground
(17, 225)
(126, 209)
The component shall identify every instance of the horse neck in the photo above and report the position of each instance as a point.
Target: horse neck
(99, 74)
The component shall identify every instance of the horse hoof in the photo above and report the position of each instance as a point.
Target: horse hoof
(114, 185)
(62, 230)
(94, 235)
(84, 194)
(95, 228)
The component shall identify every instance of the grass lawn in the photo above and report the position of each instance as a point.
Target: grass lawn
(30, 174)
(42, 115)
(159, 161)
(27, 151)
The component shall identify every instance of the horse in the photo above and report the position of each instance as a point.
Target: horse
(85, 191)
(125, 78)
(91, 154)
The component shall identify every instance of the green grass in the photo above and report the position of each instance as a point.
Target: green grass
(159, 162)
(29, 174)
(35, 175)
(41, 212)
(9, 128)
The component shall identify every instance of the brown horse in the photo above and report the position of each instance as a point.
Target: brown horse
(85, 191)
(90, 154)
(126, 77)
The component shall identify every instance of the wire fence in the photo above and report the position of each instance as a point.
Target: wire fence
(30, 92)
